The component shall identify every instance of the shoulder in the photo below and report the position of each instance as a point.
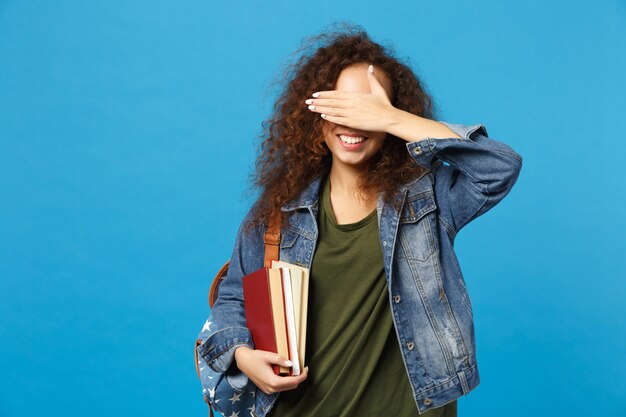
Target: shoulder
(249, 227)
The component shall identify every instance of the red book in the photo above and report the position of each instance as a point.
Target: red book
(266, 321)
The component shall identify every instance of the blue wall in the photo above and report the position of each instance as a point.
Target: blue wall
(127, 133)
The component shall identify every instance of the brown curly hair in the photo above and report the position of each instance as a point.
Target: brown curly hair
(293, 151)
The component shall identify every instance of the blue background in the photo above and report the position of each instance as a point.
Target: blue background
(127, 134)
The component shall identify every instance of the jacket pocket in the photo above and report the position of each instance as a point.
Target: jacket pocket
(236, 378)
(288, 238)
(416, 231)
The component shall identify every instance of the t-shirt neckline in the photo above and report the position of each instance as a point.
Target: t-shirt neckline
(331, 215)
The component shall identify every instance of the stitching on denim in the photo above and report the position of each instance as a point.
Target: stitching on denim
(475, 128)
(224, 351)
(473, 216)
(284, 243)
(507, 153)
(480, 145)
(419, 215)
(447, 381)
(229, 346)
(237, 339)
(420, 195)
(406, 251)
(230, 328)
(301, 232)
(448, 227)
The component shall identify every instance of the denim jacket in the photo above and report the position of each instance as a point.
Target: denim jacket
(430, 306)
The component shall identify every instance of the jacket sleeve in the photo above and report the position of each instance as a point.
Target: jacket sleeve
(213, 381)
(481, 172)
(228, 319)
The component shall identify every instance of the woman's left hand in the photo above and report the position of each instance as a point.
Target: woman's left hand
(364, 111)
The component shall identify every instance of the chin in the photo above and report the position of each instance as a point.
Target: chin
(360, 162)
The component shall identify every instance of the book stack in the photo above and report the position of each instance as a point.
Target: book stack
(275, 303)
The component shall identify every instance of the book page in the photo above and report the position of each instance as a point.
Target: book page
(291, 324)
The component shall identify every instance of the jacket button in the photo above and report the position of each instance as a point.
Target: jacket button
(410, 345)
(417, 150)
(396, 298)
(427, 401)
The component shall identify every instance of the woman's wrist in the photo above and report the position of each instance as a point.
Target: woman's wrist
(239, 350)
(413, 128)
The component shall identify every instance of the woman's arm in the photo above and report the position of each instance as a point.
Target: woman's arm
(413, 128)
(225, 331)
(481, 171)
(228, 318)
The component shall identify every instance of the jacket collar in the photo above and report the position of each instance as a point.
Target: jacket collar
(309, 197)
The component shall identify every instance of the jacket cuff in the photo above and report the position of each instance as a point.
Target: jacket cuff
(218, 350)
(423, 151)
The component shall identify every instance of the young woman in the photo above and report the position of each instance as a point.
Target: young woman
(372, 192)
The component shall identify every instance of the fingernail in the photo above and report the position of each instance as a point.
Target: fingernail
(309, 101)
(288, 362)
(315, 94)
(371, 69)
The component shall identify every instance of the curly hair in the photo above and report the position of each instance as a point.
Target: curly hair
(293, 151)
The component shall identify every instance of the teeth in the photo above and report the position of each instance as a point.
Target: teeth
(350, 139)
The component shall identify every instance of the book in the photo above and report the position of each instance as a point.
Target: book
(279, 317)
(275, 301)
(259, 312)
(292, 334)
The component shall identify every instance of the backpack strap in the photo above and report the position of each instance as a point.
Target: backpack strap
(272, 239)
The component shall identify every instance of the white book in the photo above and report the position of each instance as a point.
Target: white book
(291, 321)
(296, 286)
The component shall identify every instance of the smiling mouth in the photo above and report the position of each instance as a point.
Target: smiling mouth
(352, 139)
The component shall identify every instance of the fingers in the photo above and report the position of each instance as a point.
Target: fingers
(276, 359)
(329, 103)
(328, 111)
(283, 383)
(303, 375)
(268, 381)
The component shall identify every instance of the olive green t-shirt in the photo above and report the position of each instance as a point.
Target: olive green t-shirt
(353, 355)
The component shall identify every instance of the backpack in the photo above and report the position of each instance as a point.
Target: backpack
(215, 385)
